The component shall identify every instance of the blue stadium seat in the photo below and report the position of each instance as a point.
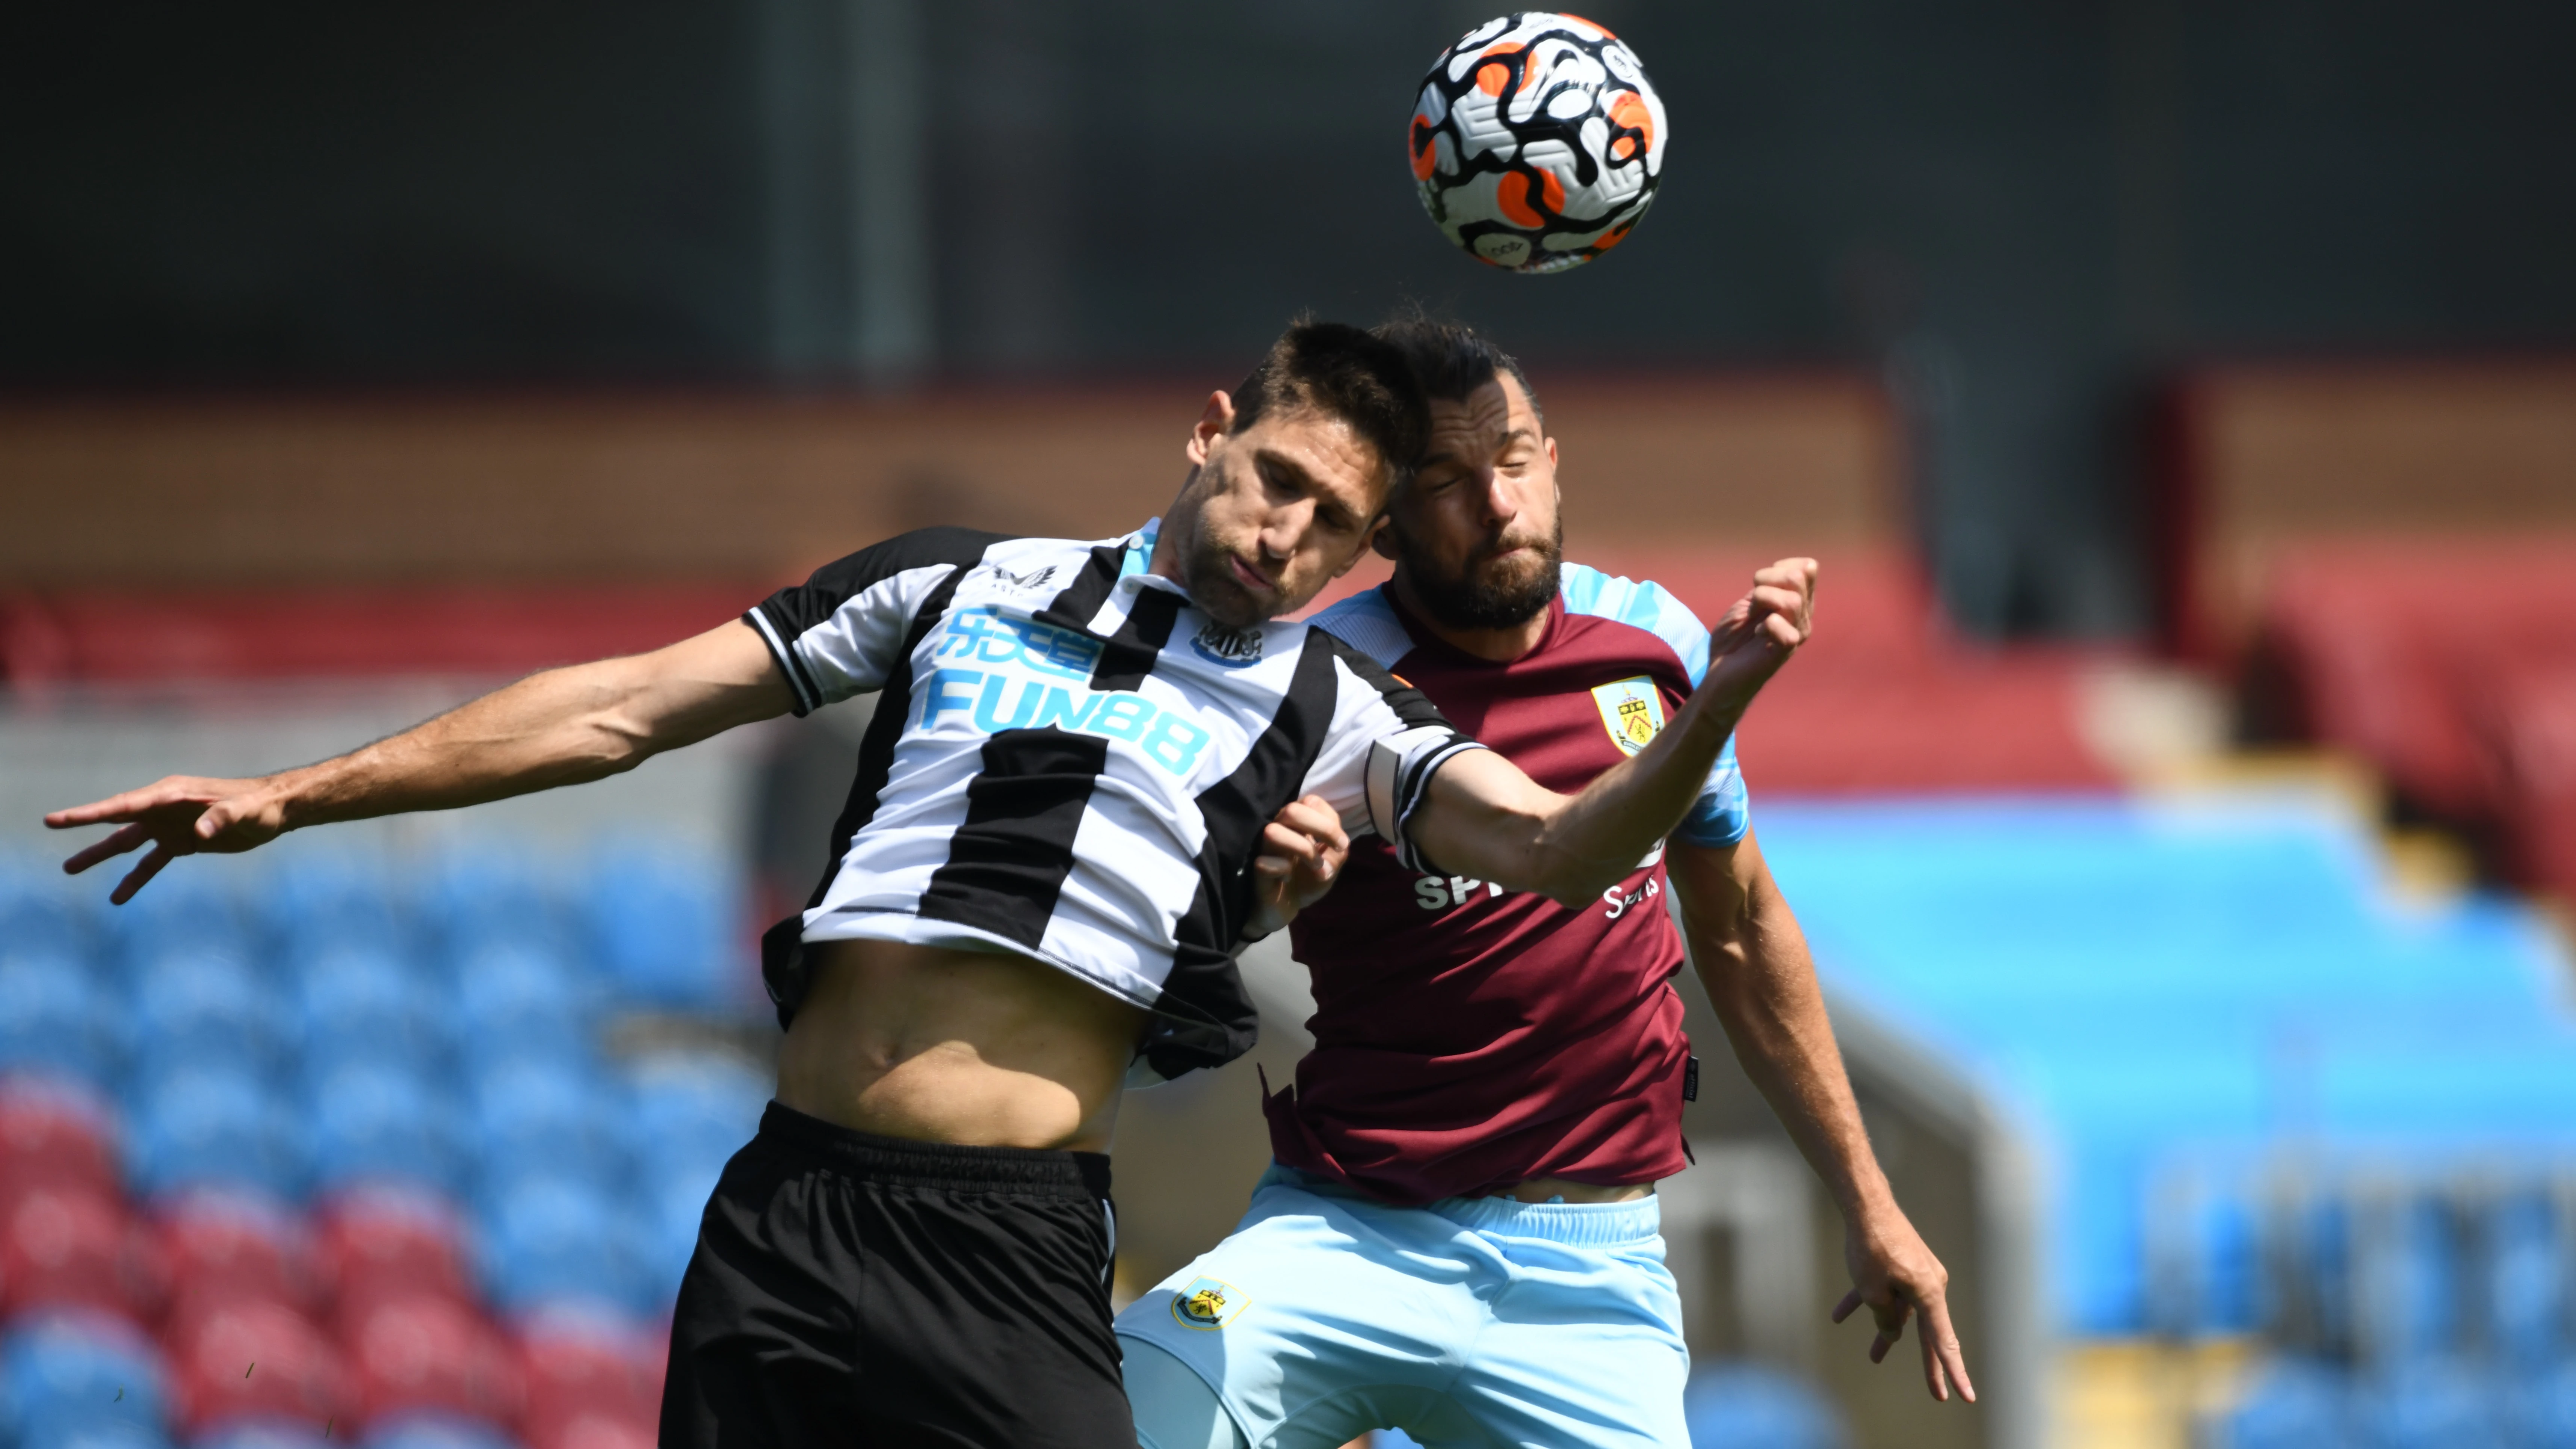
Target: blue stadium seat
(96, 1434)
(2408, 1277)
(703, 1106)
(41, 910)
(327, 900)
(185, 911)
(206, 1127)
(689, 1114)
(485, 894)
(665, 923)
(2540, 1408)
(202, 1007)
(1744, 1406)
(70, 1379)
(517, 1000)
(435, 1431)
(56, 1019)
(2526, 1271)
(554, 1241)
(2147, 983)
(2430, 1405)
(363, 1002)
(2293, 1404)
(376, 1123)
(539, 1116)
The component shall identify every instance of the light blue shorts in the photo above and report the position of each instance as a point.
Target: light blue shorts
(1473, 1321)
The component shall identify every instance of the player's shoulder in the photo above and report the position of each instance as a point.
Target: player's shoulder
(1641, 604)
(1367, 624)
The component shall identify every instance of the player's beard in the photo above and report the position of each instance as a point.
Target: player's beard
(1487, 592)
(1207, 571)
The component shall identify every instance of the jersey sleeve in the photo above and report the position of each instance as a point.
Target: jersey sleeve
(839, 633)
(1722, 813)
(1386, 742)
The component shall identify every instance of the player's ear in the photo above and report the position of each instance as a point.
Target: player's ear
(1214, 419)
(1375, 531)
(1550, 444)
(1382, 537)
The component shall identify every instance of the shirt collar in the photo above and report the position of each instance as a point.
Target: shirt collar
(1135, 567)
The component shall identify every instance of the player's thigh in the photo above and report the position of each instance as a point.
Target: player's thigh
(1174, 1407)
(1595, 1360)
(1296, 1311)
(763, 1335)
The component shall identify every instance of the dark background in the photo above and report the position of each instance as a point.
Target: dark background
(2021, 215)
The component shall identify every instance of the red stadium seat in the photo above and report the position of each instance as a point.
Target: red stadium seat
(254, 1360)
(2356, 653)
(429, 1354)
(346, 632)
(1887, 698)
(53, 1136)
(224, 1248)
(71, 1247)
(595, 1431)
(2530, 731)
(376, 1246)
(588, 1382)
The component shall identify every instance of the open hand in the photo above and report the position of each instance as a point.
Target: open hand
(179, 815)
(1763, 629)
(1302, 851)
(1896, 1277)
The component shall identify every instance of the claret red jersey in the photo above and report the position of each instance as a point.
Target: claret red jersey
(1468, 1037)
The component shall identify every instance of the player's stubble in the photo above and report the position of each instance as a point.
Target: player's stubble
(1496, 587)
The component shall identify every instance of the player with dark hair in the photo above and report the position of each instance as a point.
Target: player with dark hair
(1046, 865)
(1459, 1235)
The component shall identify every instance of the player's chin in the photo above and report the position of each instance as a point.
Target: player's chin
(1232, 606)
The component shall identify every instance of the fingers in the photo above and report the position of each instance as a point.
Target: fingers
(1891, 1327)
(98, 850)
(101, 812)
(1779, 604)
(1844, 1309)
(1942, 1358)
(141, 876)
(1283, 848)
(1315, 817)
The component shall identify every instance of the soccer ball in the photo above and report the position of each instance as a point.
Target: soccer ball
(1537, 141)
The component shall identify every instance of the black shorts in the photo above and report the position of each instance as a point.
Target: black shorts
(855, 1289)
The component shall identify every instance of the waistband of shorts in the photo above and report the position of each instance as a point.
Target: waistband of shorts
(1575, 1224)
(941, 1166)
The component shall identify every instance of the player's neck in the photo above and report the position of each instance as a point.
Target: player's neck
(1501, 646)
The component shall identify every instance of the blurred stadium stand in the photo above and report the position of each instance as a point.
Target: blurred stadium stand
(430, 1203)
(2240, 1092)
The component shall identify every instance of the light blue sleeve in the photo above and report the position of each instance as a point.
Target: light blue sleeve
(1722, 814)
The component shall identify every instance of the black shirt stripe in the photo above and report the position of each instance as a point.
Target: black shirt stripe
(1008, 862)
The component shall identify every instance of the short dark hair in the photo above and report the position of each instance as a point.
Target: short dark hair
(1450, 359)
(1346, 373)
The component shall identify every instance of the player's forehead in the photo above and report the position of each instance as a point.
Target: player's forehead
(1484, 422)
(1324, 448)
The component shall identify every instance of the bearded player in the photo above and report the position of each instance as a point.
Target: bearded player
(1045, 866)
(1459, 1236)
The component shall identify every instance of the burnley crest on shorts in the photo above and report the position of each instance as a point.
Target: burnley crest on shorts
(1207, 1303)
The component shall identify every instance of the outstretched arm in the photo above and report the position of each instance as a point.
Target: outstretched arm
(561, 727)
(1753, 959)
(1486, 819)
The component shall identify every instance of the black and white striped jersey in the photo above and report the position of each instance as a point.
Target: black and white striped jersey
(1071, 762)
